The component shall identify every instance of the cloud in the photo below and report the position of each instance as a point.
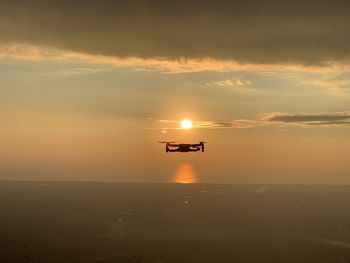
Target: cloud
(338, 83)
(337, 118)
(25, 51)
(231, 82)
(237, 124)
(40, 53)
(246, 32)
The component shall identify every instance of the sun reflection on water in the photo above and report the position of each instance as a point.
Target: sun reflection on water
(185, 175)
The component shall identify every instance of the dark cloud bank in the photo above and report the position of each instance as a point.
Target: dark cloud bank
(303, 32)
(342, 118)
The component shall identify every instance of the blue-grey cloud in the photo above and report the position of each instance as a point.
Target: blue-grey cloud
(338, 118)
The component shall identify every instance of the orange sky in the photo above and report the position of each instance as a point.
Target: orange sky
(87, 91)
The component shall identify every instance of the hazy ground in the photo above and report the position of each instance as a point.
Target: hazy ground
(117, 222)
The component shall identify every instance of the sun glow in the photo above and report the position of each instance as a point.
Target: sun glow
(186, 124)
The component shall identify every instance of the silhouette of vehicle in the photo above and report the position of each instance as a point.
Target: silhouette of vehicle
(184, 147)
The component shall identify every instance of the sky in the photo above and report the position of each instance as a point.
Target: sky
(88, 88)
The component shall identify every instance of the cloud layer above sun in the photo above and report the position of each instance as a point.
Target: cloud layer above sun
(268, 32)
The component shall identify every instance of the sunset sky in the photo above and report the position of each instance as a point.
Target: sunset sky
(88, 88)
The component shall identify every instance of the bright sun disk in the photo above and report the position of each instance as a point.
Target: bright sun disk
(186, 124)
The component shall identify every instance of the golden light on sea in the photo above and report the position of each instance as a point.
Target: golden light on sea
(185, 174)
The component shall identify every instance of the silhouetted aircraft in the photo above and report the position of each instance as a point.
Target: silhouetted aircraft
(183, 147)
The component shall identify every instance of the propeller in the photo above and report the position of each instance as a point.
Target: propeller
(166, 142)
(202, 142)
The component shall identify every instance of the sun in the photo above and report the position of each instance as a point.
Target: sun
(186, 124)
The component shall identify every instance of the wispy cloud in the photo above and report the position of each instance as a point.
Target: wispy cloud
(232, 82)
(338, 84)
(23, 51)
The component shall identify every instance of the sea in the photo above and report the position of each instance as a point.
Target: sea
(171, 222)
